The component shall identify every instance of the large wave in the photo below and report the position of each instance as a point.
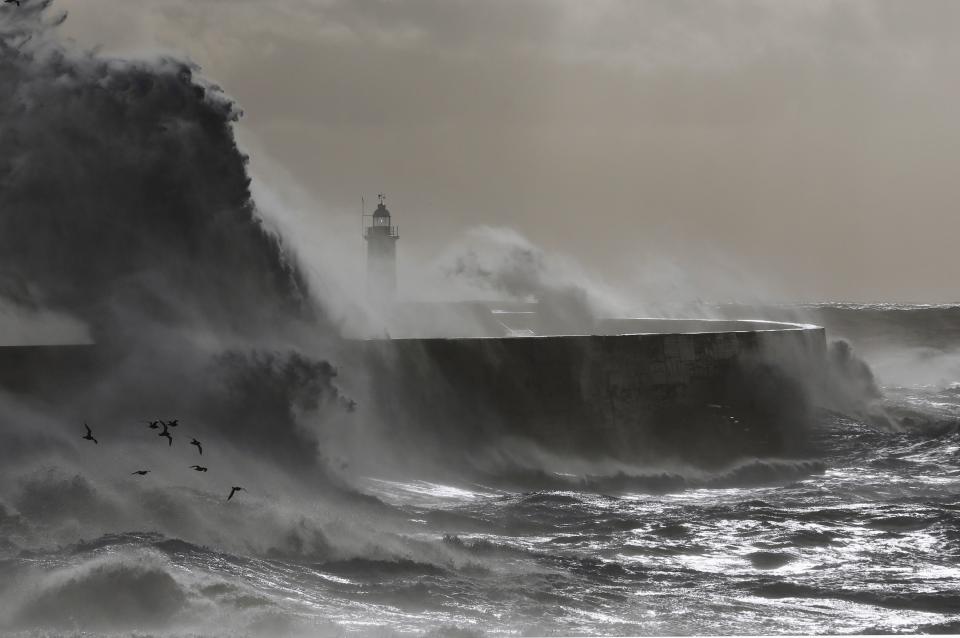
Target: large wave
(126, 207)
(126, 204)
(125, 198)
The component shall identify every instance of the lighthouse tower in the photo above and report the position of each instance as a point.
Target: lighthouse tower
(381, 239)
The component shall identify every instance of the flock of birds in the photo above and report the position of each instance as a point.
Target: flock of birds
(166, 425)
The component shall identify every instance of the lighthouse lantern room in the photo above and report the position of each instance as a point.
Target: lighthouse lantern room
(381, 237)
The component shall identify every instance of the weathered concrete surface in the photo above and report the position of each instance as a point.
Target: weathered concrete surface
(701, 393)
(705, 392)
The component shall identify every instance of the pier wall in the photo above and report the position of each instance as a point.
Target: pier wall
(698, 390)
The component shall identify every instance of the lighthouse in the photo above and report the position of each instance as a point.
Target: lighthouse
(381, 237)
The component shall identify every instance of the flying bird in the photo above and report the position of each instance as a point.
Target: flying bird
(89, 435)
(234, 490)
(167, 435)
(197, 443)
(173, 423)
(198, 468)
(153, 425)
(140, 472)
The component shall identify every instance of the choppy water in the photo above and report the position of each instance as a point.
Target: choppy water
(865, 539)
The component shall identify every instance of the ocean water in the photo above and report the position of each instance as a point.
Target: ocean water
(861, 535)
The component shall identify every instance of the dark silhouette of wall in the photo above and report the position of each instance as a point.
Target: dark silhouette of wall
(706, 396)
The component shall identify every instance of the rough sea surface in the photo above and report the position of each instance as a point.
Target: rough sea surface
(863, 538)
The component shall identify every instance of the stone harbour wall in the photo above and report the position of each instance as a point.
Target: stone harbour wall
(704, 394)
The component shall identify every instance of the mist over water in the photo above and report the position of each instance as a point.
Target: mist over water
(126, 217)
(125, 197)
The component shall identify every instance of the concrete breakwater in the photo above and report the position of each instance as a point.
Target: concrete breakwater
(707, 392)
(699, 391)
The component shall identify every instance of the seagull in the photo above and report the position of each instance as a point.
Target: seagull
(89, 435)
(167, 435)
(173, 423)
(198, 468)
(197, 443)
(153, 425)
(140, 472)
(234, 490)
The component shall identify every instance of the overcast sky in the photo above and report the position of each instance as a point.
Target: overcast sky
(808, 147)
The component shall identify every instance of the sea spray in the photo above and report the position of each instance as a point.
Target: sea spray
(125, 208)
(124, 197)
